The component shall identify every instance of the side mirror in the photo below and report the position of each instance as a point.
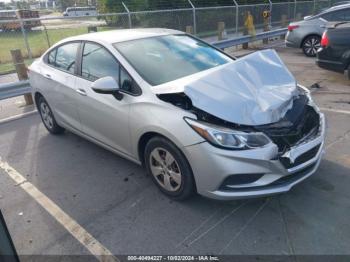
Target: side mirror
(106, 85)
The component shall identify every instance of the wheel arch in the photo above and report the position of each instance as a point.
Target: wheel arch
(151, 134)
(346, 59)
(37, 96)
(141, 145)
(312, 34)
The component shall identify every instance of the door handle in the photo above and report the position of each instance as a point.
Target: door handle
(81, 92)
(48, 76)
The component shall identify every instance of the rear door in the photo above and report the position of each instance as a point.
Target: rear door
(59, 77)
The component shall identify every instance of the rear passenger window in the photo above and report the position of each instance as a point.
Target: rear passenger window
(337, 16)
(52, 57)
(97, 62)
(328, 16)
(65, 57)
(346, 15)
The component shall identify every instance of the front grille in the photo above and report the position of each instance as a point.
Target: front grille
(300, 159)
(300, 121)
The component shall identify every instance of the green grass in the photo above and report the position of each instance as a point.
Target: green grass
(37, 41)
(10, 68)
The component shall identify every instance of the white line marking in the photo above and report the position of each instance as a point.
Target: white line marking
(77, 231)
(339, 139)
(234, 210)
(11, 118)
(198, 228)
(251, 219)
(336, 111)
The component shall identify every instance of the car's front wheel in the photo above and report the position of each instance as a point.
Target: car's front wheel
(310, 45)
(48, 118)
(169, 168)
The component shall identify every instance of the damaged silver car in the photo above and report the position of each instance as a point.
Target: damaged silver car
(196, 118)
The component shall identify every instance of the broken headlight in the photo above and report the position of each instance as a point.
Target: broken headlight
(228, 138)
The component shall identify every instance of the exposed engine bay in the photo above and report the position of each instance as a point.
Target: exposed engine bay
(300, 123)
(256, 93)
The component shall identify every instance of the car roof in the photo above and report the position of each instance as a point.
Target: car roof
(115, 36)
(341, 3)
(337, 7)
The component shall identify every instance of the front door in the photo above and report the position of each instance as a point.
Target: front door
(103, 117)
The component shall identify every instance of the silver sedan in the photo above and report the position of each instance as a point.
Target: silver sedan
(306, 34)
(197, 119)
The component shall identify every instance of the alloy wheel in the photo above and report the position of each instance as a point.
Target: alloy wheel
(165, 169)
(46, 115)
(311, 45)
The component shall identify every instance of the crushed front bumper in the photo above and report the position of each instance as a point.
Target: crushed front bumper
(260, 173)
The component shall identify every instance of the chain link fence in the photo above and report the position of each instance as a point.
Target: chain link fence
(207, 19)
(34, 36)
(175, 19)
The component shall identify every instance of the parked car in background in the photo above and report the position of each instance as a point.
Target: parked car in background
(341, 3)
(336, 4)
(18, 14)
(334, 53)
(80, 11)
(306, 34)
(197, 119)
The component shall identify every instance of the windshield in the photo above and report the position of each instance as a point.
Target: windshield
(165, 58)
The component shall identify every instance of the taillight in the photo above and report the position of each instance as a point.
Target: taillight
(292, 27)
(325, 40)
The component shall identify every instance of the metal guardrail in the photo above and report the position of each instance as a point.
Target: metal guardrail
(14, 89)
(248, 38)
(23, 87)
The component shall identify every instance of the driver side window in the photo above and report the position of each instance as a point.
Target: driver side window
(97, 62)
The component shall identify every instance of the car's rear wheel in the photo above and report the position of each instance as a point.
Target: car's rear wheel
(311, 44)
(48, 118)
(169, 168)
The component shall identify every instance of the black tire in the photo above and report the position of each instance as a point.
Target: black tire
(310, 45)
(52, 125)
(187, 186)
(348, 75)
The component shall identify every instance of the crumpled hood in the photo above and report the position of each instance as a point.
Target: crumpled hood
(256, 89)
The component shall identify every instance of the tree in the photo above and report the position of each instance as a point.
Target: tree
(65, 3)
(22, 5)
